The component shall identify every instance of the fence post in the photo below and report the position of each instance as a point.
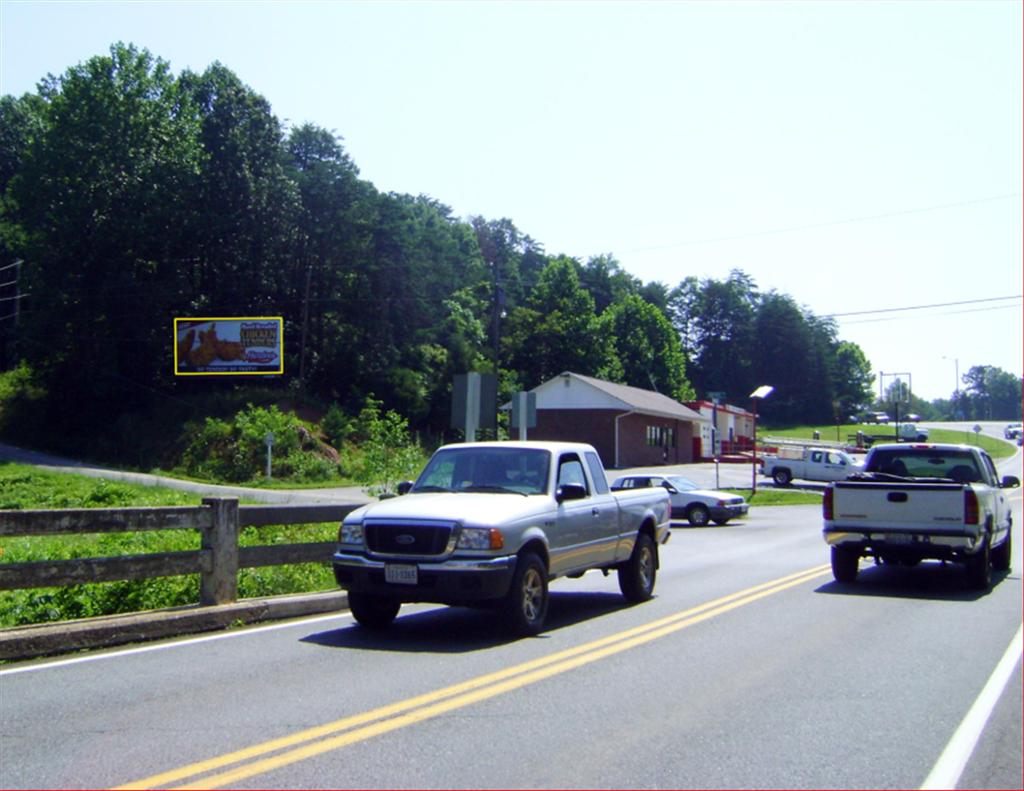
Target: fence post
(220, 584)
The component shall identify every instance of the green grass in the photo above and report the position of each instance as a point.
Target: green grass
(996, 448)
(771, 496)
(26, 487)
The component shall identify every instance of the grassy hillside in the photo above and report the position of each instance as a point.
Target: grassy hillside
(996, 448)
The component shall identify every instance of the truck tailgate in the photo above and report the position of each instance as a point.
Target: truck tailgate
(895, 506)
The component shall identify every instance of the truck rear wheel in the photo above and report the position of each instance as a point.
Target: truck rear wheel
(844, 564)
(1001, 555)
(637, 575)
(526, 603)
(782, 477)
(979, 567)
(373, 612)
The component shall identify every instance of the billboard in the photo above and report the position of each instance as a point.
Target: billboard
(229, 345)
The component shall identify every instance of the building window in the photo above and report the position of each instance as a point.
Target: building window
(661, 437)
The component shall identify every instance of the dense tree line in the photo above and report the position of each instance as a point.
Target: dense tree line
(131, 197)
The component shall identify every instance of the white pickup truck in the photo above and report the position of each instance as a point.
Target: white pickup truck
(918, 501)
(490, 524)
(809, 464)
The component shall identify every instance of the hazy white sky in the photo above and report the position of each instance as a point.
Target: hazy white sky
(855, 155)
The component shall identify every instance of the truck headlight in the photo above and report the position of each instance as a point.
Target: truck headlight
(351, 533)
(480, 538)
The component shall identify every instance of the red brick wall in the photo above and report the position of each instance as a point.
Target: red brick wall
(597, 427)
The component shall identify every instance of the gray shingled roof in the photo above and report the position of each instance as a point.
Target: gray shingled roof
(645, 401)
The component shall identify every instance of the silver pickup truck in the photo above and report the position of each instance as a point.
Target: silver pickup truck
(921, 501)
(490, 524)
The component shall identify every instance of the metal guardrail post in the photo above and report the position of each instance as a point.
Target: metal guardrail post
(220, 584)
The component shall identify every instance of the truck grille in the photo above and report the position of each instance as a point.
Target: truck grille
(391, 538)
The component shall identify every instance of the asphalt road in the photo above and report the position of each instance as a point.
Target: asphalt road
(750, 668)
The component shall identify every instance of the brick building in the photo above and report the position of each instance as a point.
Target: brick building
(628, 426)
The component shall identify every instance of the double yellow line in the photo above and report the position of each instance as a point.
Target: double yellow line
(274, 754)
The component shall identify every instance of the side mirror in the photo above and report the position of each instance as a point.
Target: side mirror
(1010, 482)
(570, 491)
(671, 489)
(404, 487)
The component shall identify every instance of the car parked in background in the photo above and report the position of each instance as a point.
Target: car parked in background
(1013, 431)
(690, 502)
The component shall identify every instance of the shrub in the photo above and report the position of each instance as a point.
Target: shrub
(387, 453)
(236, 452)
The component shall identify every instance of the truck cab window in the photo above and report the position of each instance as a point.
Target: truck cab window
(570, 470)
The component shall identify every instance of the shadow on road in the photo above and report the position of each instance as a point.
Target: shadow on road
(932, 581)
(456, 630)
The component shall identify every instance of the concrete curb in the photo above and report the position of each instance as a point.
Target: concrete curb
(27, 642)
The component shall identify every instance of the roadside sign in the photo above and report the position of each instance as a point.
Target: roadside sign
(218, 346)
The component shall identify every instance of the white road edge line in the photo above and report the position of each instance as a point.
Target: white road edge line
(143, 649)
(947, 770)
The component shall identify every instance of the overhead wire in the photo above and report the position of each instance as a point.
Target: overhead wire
(919, 307)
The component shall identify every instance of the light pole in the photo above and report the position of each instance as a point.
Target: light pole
(762, 392)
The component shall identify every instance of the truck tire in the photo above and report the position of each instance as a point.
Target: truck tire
(979, 567)
(844, 564)
(782, 477)
(698, 515)
(373, 612)
(526, 603)
(1001, 554)
(637, 575)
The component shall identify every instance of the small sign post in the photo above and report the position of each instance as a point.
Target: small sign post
(524, 412)
(269, 440)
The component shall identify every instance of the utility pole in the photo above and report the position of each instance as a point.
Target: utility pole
(305, 322)
(498, 315)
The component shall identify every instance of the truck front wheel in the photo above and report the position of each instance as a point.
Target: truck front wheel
(844, 564)
(782, 477)
(637, 575)
(526, 603)
(373, 612)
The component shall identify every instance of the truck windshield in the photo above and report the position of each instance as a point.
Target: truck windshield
(955, 465)
(499, 470)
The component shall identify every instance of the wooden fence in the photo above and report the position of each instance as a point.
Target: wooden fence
(217, 561)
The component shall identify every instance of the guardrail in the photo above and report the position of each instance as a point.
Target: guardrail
(217, 562)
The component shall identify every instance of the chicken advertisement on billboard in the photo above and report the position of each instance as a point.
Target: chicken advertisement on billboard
(229, 345)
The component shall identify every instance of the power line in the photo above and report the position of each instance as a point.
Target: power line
(919, 307)
(828, 224)
(946, 313)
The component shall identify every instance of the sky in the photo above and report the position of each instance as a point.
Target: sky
(863, 157)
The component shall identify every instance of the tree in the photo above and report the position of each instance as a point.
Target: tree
(715, 321)
(648, 348)
(244, 206)
(331, 246)
(102, 196)
(991, 394)
(853, 380)
(558, 330)
(607, 283)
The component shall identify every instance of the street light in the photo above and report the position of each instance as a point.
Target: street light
(762, 392)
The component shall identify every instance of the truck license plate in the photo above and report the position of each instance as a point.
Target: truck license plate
(400, 573)
(898, 538)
